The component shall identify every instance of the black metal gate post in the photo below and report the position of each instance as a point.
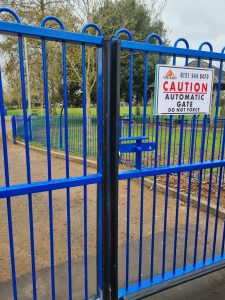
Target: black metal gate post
(111, 99)
(115, 103)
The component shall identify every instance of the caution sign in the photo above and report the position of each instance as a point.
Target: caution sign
(183, 90)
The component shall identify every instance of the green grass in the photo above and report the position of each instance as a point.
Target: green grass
(93, 111)
(76, 111)
(71, 111)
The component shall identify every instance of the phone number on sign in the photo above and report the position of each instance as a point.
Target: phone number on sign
(194, 75)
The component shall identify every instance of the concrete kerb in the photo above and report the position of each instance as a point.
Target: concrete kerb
(147, 182)
(59, 155)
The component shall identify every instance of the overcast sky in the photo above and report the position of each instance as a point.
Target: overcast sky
(197, 21)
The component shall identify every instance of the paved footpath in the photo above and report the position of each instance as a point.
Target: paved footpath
(209, 287)
(205, 288)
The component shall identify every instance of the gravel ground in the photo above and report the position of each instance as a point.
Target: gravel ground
(17, 167)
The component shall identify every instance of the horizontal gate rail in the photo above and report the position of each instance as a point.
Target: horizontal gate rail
(170, 279)
(170, 169)
(49, 34)
(44, 186)
(128, 45)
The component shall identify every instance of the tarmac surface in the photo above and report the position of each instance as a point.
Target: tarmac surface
(208, 287)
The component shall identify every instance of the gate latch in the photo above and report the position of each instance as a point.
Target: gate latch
(137, 146)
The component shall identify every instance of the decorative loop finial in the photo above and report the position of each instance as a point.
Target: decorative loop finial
(92, 25)
(52, 18)
(124, 30)
(154, 36)
(12, 12)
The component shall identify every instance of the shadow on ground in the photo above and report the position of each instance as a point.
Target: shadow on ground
(211, 286)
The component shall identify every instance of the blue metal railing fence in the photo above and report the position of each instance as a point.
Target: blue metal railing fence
(37, 130)
(36, 125)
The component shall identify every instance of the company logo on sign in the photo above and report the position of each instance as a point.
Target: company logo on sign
(170, 75)
(187, 92)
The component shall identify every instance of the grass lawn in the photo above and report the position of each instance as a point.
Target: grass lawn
(71, 111)
(78, 111)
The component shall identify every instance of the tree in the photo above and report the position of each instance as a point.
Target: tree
(32, 12)
(141, 19)
(137, 16)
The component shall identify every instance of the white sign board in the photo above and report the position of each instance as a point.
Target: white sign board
(183, 90)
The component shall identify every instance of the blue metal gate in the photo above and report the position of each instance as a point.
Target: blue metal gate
(85, 179)
(182, 150)
(159, 150)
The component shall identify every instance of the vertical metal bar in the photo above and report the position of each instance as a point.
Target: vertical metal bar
(30, 128)
(99, 167)
(141, 231)
(49, 164)
(196, 136)
(128, 181)
(190, 142)
(130, 99)
(212, 158)
(138, 165)
(148, 134)
(60, 133)
(175, 138)
(220, 149)
(111, 96)
(26, 136)
(165, 141)
(130, 92)
(27, 75)
(185, 136)
(120, 127)
(115, 103)
(145, 93)
(154, 201)
(178, 195)
(154, 191)
(7, 183)
(191, 155)
(13, 120)
(207, 143)
(128, 235)
(223, 240)
(66, 132)
(199, 190)
(152, 136)
(84, 104)
(160, 142)
(218, 198)
(166, 198)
